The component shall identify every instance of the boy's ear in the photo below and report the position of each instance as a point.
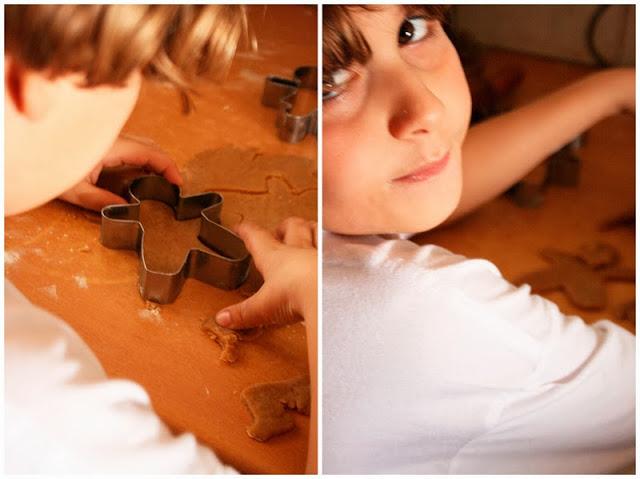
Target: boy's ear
(29, 92)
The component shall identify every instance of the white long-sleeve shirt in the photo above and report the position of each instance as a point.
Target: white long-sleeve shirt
(62, 414)
(434, 363)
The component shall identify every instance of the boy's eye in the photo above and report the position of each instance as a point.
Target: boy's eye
(335, 83)
(413, 30)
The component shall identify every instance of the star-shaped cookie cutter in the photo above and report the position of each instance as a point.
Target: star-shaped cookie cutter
(280, 93)
(227, 267)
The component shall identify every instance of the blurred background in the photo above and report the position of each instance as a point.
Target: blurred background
(588, 34)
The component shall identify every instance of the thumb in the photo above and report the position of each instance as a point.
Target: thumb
(91, 197)
(250, 313)
(259, 242)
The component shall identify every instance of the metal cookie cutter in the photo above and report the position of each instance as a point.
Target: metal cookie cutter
(227, 268)
(280, 93)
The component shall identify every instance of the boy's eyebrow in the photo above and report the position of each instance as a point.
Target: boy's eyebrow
(435, 12)
(343, 44)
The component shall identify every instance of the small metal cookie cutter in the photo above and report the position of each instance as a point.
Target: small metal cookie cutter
(280, 93)
(227, 268)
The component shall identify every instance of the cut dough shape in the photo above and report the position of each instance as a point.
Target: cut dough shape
(582, 277)
(228, 339)
(598, 254)
(167, 241)
(271, 404)
(627, 311)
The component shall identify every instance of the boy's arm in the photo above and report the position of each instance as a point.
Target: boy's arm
(288, 262)
(501, 150)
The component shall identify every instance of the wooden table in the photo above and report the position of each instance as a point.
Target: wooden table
(511, 237)
(228, 144)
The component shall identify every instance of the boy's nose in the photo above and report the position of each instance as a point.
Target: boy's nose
(416, 110)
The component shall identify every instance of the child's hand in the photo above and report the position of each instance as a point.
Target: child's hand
(125, 151)
(288, 263)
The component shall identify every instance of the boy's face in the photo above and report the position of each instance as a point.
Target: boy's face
(56, 131)
(392, 134)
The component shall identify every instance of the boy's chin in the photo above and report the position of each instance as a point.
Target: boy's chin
(419, 223)
(398, 221)
(399, 228)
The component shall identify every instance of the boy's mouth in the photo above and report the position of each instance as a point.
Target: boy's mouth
(426, 171)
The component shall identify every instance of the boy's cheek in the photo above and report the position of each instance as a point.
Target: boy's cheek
(62, 145)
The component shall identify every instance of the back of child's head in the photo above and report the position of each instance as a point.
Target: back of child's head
(108, 42)
(73, 75)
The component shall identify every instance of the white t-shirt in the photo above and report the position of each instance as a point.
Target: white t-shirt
(62, 414)
(434, 363)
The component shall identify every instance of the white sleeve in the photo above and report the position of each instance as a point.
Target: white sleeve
(574, 410)
(63, 415)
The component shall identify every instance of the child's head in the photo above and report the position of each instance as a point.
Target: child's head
(72, 77)
(396, 111)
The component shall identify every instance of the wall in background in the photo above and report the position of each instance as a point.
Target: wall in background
(557, 31)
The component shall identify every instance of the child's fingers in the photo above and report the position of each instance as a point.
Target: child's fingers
(157, 162)
(249, 313)
(296, 232)
(130, 152)
(91, 197)
(259, 242)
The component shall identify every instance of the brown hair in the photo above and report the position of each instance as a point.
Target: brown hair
(172, 43)
(342, 42)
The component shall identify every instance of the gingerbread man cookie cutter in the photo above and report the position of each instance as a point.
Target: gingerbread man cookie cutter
(281, 92)
(226, 267)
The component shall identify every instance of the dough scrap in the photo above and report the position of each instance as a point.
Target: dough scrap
(627, 311)
(598, 255)
(582, 277)
(228, 339)
(271, 404)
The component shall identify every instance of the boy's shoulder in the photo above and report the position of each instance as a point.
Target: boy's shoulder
(396, 253)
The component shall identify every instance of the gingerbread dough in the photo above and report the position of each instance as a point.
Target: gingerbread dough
(582, 277)
(285, 186)
(228, 339)
(167, 241)
(627, 311)
(271, 404)
(246, 171)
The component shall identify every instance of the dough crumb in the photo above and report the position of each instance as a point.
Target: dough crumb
(228, 339)
(84, 249)
(51, 291)
(271, 404)
(81, 281)
(11, 257)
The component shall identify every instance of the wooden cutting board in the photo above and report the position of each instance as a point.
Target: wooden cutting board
(229, 144)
